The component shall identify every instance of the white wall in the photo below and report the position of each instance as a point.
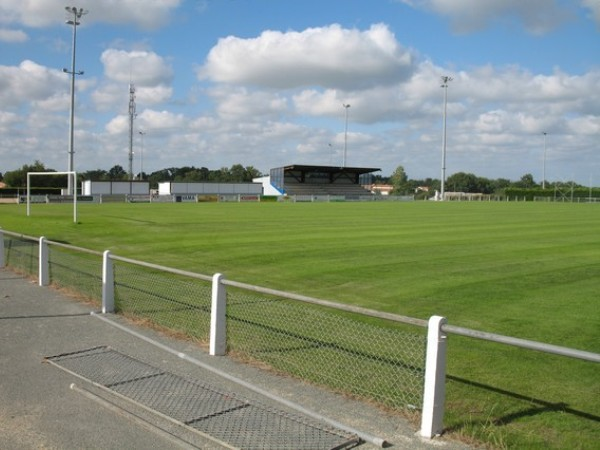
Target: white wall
(268, 188)
(115, 187)
(168, 188)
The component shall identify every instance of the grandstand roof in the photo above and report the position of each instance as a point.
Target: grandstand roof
(330, 169)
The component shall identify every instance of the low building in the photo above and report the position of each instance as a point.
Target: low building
(173, 188)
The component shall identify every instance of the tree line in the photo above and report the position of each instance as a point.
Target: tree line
(188, 174)
(237, 173)
(469, 183)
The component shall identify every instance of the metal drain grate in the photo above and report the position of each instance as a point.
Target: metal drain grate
(223, 416)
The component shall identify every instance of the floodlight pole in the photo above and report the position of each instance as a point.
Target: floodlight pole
(142, 133)
(346, 106)
(445, 80)
(77, 13)
(132, 115)
(544, 163)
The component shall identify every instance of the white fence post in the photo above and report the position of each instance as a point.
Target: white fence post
(435, 379)
(218, 323)
(108, 284)
(1, 248)
(43, 263)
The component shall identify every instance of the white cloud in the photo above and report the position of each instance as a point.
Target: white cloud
(594, 6)
(29, 82)
(8, 120)
(240, 103)
(368, 106)
(142, 67)
(327, 57)
(586, 125)
(537, 16)
(12, 36)
(151, 75)
(118, 125)
(39, 13)
(156, 121)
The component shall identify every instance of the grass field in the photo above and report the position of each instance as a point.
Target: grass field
(529, 270)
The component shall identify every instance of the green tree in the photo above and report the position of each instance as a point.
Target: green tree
(117, 173)
(462, 182)
(18, 178)
(526, 182)
(501, 183)
(95, 175)
(399, 180)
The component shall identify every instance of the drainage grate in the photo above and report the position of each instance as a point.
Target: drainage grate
(223, 416)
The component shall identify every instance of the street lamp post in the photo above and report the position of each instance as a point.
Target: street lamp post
(77, 13)
(346, 106)
(142, 133)
(445, 80)
(544, 163)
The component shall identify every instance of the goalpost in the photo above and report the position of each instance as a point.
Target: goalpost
(73, 183)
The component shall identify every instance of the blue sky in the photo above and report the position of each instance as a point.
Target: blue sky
(262, 83)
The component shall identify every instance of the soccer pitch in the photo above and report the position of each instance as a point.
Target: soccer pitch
(529, 270)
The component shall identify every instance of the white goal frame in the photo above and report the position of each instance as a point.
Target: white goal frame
(73, 183)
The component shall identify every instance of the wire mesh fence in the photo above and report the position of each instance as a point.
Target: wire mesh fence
(167, 300)
(77, 271)
(381, 363)
(21, 253)
(374, 359)
(225, 416)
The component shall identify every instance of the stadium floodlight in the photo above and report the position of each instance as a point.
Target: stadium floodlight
(76, 13)
(544, 163)
(346, 106)
(445, 81)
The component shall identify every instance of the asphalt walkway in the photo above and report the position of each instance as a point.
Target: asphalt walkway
(44, 407)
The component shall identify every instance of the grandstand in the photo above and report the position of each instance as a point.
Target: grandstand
(322, 180)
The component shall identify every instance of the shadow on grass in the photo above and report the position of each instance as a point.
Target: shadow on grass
(540, 406)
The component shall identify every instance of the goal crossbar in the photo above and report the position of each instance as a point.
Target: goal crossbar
(74, 184)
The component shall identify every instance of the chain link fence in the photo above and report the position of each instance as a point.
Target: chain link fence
(76, 270)
(21, 253)
(368, 358)
(174, 302)
(377, 361)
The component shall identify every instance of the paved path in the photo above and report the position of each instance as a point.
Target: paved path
(39, 408)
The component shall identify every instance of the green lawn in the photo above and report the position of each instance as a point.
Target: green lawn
(530, 270)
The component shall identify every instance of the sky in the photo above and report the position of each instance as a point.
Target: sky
(263, 83)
